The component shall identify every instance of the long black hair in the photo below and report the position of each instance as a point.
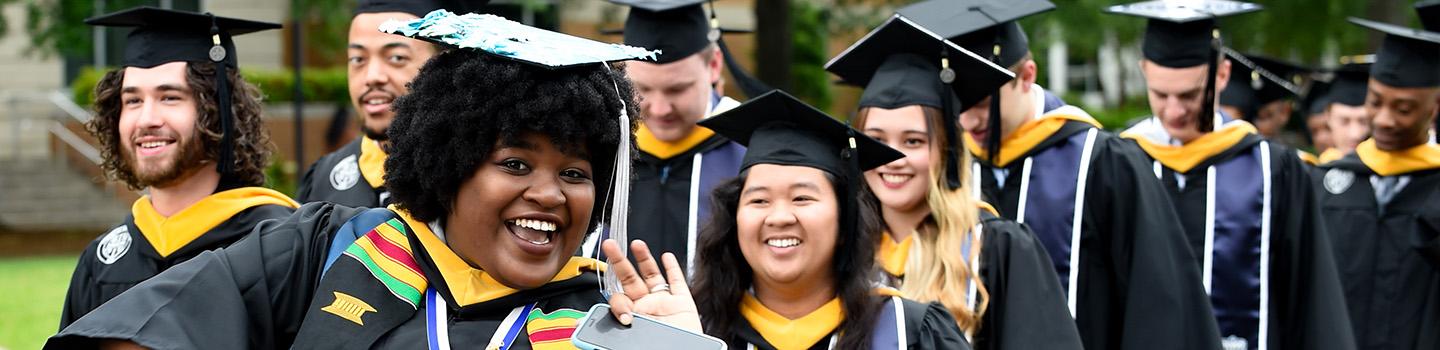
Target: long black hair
(722, 276)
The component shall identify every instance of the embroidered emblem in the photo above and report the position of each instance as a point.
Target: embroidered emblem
(386, 253)
(345, 174)
(114, 245)
(1234, 343)
(1337, 181)
(348, 307)
(552, 330)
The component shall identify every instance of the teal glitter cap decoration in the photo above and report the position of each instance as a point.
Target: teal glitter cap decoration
(505, 38)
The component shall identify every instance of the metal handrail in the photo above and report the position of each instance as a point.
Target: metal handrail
(75, 142)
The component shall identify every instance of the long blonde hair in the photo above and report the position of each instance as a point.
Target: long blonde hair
(940, 272)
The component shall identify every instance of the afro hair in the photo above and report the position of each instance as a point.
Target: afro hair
(463, 103)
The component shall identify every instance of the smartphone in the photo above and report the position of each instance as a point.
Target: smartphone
(601, 331)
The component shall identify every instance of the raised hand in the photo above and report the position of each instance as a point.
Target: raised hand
(646, 291)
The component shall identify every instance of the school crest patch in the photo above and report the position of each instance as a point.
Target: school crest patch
(552, 330)
(115, 244)
(1338, 181)
(345, 174)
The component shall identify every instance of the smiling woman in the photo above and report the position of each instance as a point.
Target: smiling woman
(494, 168)
(788, 258)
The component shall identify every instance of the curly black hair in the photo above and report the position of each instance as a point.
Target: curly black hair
(463, 102)
(252, 148)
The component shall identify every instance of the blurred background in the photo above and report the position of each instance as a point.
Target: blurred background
(54, 199)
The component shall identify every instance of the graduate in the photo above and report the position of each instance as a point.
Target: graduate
(679, 162)
(177, 121)
(1261, 91)
(1347, 120)
(1055, 171)
(1381, 203)
(1245, 203)
(381, 67)
(787, 261)
(1317, 127)
(947, 240)
(501, 157)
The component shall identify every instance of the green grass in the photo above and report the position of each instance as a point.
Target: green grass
(33, 292)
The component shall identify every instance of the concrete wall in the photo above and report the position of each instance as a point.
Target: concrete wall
(20, 71)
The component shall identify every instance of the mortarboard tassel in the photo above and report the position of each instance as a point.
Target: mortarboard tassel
(619, 188)
(222, 88)
(1206, 120)
(951, 127)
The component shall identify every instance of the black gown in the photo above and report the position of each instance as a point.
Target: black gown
(925, 327)
(1138, 287)
(1027, 306)
(335, 277)
(1388, 255)
(124, 257)
(668, 203)
(1284, 291)
(345, 177)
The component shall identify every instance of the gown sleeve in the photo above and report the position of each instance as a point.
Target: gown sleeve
(303, 192)
(1156, 299)
(937, 329)
(1429, 238)
(1307, 296)
(250, 295)
(80, 297)
(1027, 307)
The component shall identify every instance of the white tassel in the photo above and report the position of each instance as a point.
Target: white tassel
(619, 193)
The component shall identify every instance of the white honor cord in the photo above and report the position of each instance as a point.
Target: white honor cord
(1077, 221)
(1265, 212)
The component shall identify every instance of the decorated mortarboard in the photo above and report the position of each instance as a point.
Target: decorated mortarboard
(1351, 84)
(901, 63)
(986, 27)
(1408, 57)
(162, 36)
(418, 8)
(1257, 80)
(1183, 34)
(500, 37)
(680, 28)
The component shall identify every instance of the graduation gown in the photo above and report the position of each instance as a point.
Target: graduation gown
(1252, 221)
(920, 326)
(148, 243)
(1388, 251)
(1129, 283)
(1027, 307)
(353, 175)
(671, 183)
(330, 276)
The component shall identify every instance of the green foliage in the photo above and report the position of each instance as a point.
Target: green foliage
(329, 27)
(58, 26)
(808, 67)
(321, 85)
(280, 176)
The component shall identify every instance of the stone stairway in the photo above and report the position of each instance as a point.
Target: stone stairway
(47, 196)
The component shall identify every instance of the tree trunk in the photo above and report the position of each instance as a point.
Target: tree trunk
(773, 43)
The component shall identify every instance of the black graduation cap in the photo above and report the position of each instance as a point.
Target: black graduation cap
(1317, 97)
(1408, 57)
(1350, 85)
(777, 128)
(901, 63)
(419, 8)
(1182, 34)
(1258, 80)
(1429, 14)
(985, 27)
(680, 28)
(163, 36)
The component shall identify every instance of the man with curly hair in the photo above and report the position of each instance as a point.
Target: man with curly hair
(170, 122)
(381, 67)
